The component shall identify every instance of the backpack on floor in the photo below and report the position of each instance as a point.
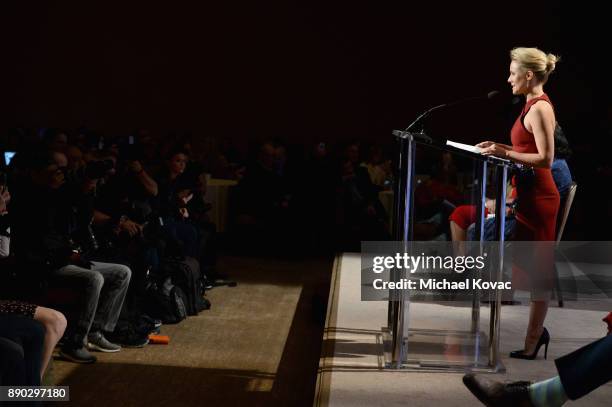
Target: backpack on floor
(165, 301)
(185, 273)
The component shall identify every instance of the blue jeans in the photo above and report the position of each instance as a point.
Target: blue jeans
(489, 229)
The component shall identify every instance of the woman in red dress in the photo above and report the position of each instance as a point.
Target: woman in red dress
(533, 146)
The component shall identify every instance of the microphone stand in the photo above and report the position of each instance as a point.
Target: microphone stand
(424, 115)
(421, 134)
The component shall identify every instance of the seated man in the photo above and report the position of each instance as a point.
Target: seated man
(580, 372)
(43, 223)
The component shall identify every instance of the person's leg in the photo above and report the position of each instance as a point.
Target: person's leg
(89, 283)
(208, 248)
(458, 234)
(587, 368)
(34, 338)
(55, 324)
(548, 393)
(580, 372)
(184, 233)
(537, 315)
(12, 364)
(116, 282)
(29, 334)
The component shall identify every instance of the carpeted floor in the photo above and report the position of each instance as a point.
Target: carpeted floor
(352, 372)
(259, 345)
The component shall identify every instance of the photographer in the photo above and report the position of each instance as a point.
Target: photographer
(5, 198)
(171, 204)
(128, 232)
(123, 201)
(198, 210)
(46, 218)
(122, 209)
(142, 177)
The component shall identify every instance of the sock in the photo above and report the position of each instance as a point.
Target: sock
(548, 393)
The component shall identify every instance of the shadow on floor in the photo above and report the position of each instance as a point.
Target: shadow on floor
(140, 385)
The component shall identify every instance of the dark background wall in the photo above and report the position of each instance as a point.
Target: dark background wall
(297, 71)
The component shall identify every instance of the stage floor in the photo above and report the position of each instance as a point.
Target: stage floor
(352, 373)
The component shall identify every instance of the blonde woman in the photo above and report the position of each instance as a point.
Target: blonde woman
(533, 146)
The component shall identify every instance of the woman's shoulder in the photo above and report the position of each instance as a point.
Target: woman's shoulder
(541, 107)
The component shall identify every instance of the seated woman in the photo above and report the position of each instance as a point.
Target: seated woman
(17, 319)
(36, 329)
(174, 194)
(465, 215)
(463, 218)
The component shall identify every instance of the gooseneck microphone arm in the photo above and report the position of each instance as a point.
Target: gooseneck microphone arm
(489, 95)
(423, 115)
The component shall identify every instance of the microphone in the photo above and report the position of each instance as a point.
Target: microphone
(489, 96)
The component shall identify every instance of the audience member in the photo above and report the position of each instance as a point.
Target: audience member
(42, 236)
(361, 215)
(378, 168)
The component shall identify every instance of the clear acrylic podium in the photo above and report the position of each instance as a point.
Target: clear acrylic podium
(397, 333)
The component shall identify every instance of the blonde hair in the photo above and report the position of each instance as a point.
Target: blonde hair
(536, 61)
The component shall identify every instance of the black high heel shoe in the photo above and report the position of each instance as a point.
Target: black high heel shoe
(544, 340)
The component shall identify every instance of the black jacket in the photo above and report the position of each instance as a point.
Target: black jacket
(44, 223)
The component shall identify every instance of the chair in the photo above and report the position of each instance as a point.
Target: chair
(561, 221)
(564, 212)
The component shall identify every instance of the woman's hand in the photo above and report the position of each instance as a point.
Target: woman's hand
(484, 144)
(496, 150)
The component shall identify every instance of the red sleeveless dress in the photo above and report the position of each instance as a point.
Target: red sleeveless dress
(538, 199)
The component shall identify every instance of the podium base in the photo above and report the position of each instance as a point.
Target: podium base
(442, 350)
